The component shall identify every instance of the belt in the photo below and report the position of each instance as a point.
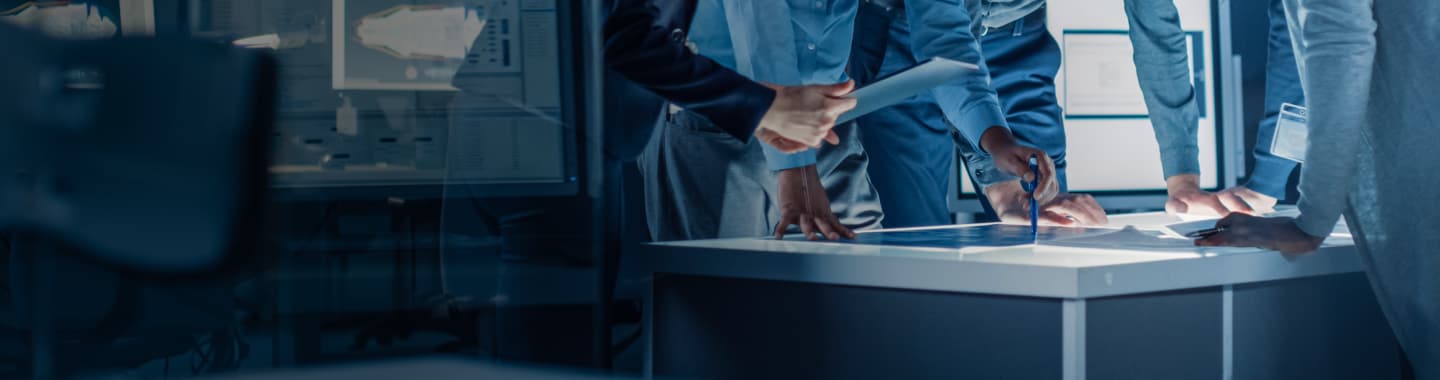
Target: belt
(889, 5)
(1036, 17)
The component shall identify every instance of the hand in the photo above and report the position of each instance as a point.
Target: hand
(1242, 199)
(803, 201)
(1280, 234)
(1013, 158)
(801, 117)
(1187, 198)
(1012, 204)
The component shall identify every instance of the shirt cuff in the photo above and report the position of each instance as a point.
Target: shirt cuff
(777, 160)
(1177, 161)
(1319, 223)
(978, 118)
(1271, 176)
(982, 166)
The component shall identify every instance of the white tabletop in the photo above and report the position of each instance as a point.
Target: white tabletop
(1026, 270)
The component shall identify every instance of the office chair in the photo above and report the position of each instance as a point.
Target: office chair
(147, 157)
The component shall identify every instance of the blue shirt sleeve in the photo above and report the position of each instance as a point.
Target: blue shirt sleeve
(777, 160)
(1161, 65)
(1282, 85)
(941, 28)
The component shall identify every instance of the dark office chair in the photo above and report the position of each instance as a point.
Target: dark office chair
(145, 158)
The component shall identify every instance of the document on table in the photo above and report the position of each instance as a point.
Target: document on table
(1133, 239)
(1183, 229)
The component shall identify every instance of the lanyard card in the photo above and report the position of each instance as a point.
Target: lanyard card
(1292, 133)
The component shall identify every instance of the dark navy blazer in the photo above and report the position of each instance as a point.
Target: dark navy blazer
(645, 43)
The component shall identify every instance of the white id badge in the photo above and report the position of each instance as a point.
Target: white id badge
(1291, 133)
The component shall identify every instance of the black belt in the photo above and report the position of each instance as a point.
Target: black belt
(1036, 17)
(889, 5)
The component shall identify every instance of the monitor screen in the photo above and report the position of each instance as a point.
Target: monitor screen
(82, 19)
(398, 93)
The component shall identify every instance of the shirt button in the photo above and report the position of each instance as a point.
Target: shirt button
(819, 5)
(811, 46)
(677, 35)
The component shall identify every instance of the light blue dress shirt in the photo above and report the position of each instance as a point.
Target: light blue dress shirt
(797, 42)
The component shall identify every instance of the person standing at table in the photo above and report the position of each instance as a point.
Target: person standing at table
(1268, 179)
(797, 42)
(912, 157)
(1366, 67)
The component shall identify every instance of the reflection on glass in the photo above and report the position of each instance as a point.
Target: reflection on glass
(67, 19)
(422, 32)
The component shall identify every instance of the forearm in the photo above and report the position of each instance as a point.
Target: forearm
(1339, 42)
(1164, 74)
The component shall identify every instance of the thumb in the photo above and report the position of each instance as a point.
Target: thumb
(838, 89)
(1175, 206)
(832, 138)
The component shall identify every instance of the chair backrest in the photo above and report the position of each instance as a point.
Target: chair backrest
(147, 154)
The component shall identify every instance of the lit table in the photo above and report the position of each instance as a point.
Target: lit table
(744, 308)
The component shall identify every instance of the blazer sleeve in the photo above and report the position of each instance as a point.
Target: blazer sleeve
(651, 52)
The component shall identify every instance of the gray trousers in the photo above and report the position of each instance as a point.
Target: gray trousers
(701, 183)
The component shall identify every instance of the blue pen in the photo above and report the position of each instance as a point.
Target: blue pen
(1033, 185)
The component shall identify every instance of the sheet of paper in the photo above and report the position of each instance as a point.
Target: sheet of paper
(1133, 239)
(904, 84)
(1180, 230)
(990, 235)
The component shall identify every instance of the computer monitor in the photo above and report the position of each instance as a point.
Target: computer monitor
(387, 93)
(82, 20)
(1111, 149)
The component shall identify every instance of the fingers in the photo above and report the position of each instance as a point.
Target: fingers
(807, 227)
(1175, 206)
(1234, 203)
(1197, 203)
(1048, 183)
(1230, 221)
(841, 229)
(838, 89)
(832, 138)
(1211, 202)
(785, 222)
(827, 228)
(1055, 218)
(1236, 232)
(1216, 240)
(838, 106)
(779, 142)
(1081, 207)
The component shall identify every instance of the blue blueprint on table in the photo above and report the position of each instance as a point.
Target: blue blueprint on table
(989, 235)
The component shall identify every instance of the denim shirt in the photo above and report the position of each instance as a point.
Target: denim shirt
(795, 42)
(1160, 63)
(998, 13)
